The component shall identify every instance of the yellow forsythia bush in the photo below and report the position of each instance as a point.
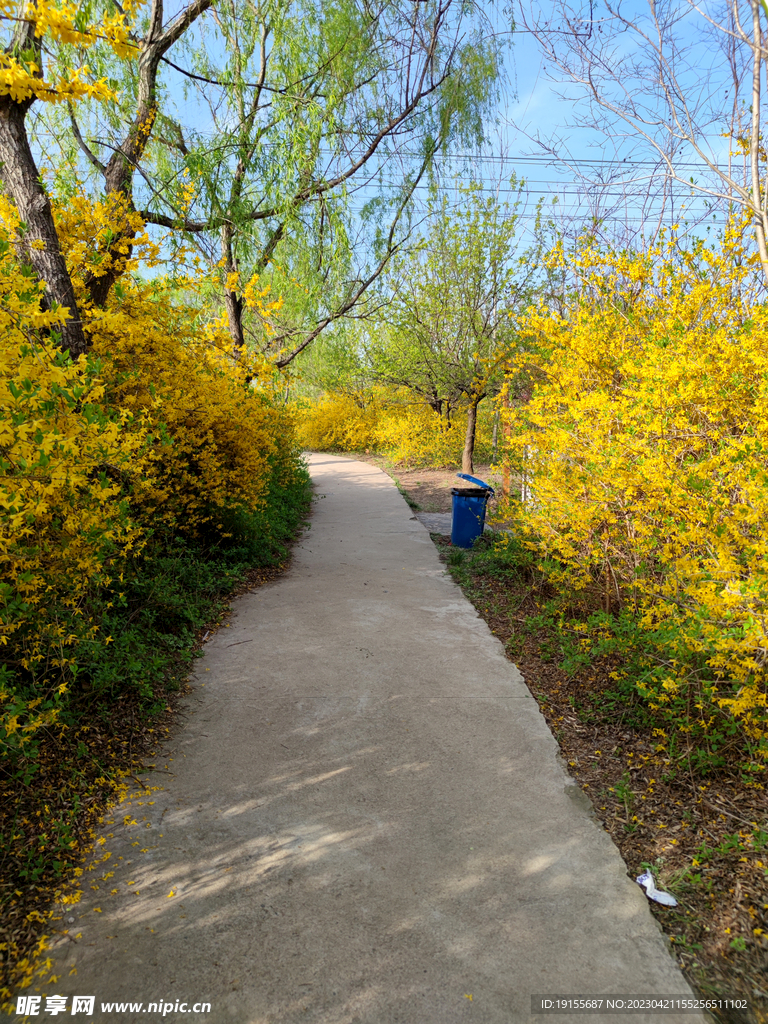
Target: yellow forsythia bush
(336, 423)
(65, 461)
(157, 431)
(645, 446)
(215, 433)
(172, 363)
(391, 423)
(414, 436)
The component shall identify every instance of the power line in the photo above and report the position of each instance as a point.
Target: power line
(497, 158)
(551, 160)
(558, 190)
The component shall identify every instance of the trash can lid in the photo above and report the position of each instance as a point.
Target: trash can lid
(475, 480)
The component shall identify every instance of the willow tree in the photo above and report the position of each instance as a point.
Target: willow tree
(281, 137)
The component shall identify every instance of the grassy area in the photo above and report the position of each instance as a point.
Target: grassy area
(53, 798)
(704, 834)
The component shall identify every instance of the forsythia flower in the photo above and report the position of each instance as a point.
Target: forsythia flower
(157, 428)
(645, 449)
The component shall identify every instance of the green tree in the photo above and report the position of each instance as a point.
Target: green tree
(295, 112)
(337, 364)
(449, 327)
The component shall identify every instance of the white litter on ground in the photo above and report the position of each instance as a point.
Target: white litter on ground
(665, 898)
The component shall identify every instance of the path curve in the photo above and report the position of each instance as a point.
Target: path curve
(367, 820)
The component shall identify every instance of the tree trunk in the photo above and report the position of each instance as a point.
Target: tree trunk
(468, 454)
(21, 180)
(506, 478)
(118, 180)
(234, 305)
(120, 170)
(232, 301)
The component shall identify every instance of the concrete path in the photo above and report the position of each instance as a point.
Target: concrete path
(366, 819)
(436, 522)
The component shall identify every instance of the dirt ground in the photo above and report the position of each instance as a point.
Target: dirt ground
(430, 489)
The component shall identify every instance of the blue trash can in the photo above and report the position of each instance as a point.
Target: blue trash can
(469, 504)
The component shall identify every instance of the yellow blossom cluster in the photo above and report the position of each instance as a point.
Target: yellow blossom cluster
(414, 435)
(644, 450)
(21, 76)
(388, 420)
(65, 23)
(256, 299)
(158, 428)
(336, 423)
(87, 229)
(20, 80)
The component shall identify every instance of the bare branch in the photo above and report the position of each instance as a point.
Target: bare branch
(666, 103)
(92, 158)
